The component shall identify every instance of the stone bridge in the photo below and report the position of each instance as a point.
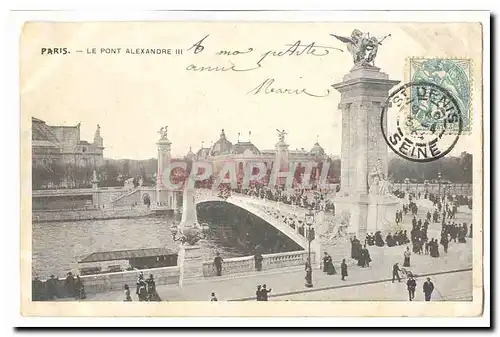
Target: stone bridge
(287, 219)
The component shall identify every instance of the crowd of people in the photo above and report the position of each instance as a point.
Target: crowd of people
(300, 197)
(145, 289)
(53, 288)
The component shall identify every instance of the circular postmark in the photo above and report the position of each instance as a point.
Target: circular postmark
(421, 121)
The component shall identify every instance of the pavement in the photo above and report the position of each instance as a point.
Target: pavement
(455, 268)
(451, 274)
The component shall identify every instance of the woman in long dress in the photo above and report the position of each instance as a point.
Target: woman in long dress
(407, 255)
(328, 266)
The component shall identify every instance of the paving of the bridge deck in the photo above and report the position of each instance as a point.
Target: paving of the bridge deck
(451, 272)
(290, 282)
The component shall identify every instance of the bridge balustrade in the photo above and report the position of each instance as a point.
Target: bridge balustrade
(247, 264)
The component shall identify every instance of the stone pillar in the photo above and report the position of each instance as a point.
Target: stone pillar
(190, 262)
(164, 156)
(281, 160)
(189, 215)
(95, 191)
(345, 145)
(282, 155)
(363, 90)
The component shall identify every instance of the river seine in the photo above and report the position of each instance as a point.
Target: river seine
(58, 246)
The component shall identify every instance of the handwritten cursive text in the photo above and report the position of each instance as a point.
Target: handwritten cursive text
(266, 87)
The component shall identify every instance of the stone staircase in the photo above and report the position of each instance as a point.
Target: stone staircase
(127, 198)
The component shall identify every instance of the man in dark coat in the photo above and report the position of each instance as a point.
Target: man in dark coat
(258, 293)
(264, 291)
(218, 264)
(411, 285)
(428, 289)
(258, 261)
(355, 248)
(395, 272)
(69, 283)
(365, 257)
(151, 288)
(52, 287)
(379, 242)
(139, 283)
(343, 269)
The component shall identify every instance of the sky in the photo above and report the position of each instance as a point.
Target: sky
(131, 96)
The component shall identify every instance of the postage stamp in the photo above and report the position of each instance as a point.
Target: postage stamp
(433, 109)
(453, 75)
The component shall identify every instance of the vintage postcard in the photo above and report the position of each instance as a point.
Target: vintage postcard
(199, 168)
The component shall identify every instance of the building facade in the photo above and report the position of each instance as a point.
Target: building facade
(62, 145)
(242, 152)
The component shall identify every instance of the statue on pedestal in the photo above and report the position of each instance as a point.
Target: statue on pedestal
(281, 135)
(362, 47)
(163, 132)
(377, 182)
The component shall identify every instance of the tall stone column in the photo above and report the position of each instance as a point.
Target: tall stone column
(164, 157)
(345, 145)
(282, 160)
(363, 92)
(282, 154)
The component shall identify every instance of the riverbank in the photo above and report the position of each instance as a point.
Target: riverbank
(90, 214)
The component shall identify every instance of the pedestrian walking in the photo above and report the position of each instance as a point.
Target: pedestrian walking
(328, 266)
(69, 284)
(407, 255)
(218, 264)
(213, 298)
(258, 261)
(128, 298)
(411, 285)
(52, 288)
(264, 291)
(343, 269)
(395, 272)
(80, 288)
(258, 293)
(428, 289)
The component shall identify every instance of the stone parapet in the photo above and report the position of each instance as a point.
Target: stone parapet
(247, 264)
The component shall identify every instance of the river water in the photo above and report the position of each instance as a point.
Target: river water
(58, 246)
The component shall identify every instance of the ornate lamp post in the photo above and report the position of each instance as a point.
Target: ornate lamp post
(188, 235)
(407, 181)
(439, 184)
(309, 221)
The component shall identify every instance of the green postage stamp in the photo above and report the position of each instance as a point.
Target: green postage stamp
(453, 75)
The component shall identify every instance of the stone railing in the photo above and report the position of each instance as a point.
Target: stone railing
(247, 264)
(56, 192)
(461, 189)
(115, 281)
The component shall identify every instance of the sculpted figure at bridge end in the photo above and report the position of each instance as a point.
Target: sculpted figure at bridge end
(163, 132)
(281, 135)
(362, 47)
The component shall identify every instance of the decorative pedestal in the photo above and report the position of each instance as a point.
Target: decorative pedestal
(190, 261)
(381, 213)
(364, 92)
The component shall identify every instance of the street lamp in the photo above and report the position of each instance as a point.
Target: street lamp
(407, 181)
(190, 235)
(309, 221)
(439, 184)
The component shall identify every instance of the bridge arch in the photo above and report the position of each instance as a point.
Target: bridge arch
(277, 218)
